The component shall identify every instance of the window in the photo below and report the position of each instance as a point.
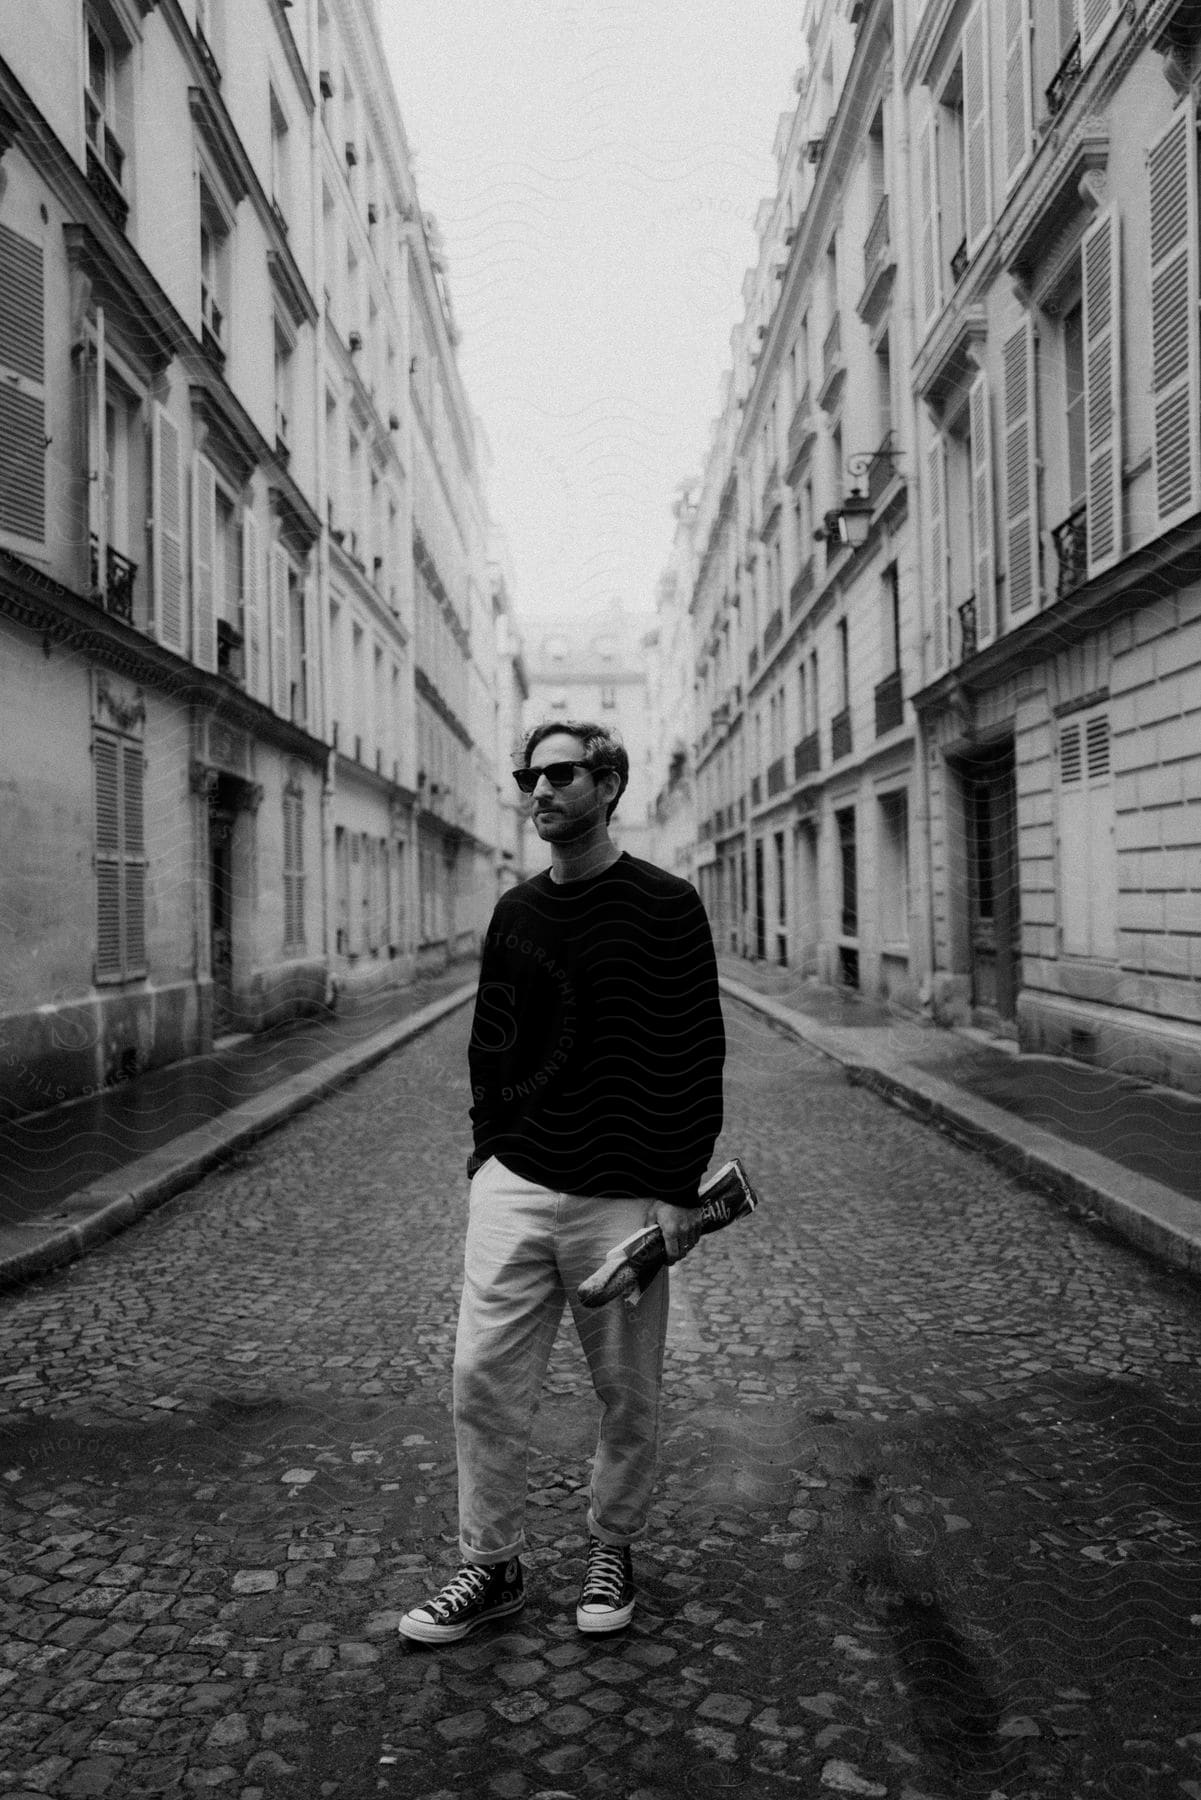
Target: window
(214, 272)
(293, 867)
(890, 622)
(284, 400)
(120, 859)
(1087, 855)
(281, 171)
(100, 104)
(22, 387)
(1073, 401)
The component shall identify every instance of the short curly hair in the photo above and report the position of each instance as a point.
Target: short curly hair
(602, 749)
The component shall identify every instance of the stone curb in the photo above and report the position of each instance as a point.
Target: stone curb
(1155, 1218)
(107, 1206)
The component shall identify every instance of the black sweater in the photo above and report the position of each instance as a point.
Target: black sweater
(597, 1044)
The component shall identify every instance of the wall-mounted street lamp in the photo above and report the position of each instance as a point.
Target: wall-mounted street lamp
(851, 522)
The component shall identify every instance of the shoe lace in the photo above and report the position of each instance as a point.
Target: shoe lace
(605, 1575)
(467, 1585)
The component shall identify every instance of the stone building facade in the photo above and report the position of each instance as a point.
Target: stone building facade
(218, 567)
(952, 755)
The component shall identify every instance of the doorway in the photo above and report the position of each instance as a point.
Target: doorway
(222, 820)
(994, 889)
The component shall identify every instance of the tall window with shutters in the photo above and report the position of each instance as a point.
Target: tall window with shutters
(120, 859)
(1021, 522)
(1176, 441)
(22, 388)
(1086, 852)
(293, 869)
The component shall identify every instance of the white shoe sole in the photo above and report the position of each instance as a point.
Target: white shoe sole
(600, 1622)
(423, 1631)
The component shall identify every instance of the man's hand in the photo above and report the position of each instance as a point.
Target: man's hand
(680, 1225)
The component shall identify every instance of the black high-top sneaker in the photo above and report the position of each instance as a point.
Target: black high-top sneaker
(607, 1596)
(477, 1593)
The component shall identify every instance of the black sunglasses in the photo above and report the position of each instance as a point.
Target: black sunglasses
(560, 775)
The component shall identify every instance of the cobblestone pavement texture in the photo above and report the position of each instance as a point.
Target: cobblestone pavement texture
(927, 1523)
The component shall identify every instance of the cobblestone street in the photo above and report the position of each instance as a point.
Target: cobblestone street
(928, 1522)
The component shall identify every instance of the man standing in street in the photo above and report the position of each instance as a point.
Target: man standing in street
(596, 1061)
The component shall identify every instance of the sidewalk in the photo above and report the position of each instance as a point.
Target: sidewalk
(74, 1174)
(1120, 1150)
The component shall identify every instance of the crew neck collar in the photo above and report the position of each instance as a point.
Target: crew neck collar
(584, 881)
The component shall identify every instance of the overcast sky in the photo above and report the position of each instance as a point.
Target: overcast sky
(595, 166)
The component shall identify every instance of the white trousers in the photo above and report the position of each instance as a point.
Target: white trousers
(527, 1251)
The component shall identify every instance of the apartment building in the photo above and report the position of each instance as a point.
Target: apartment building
(1056, 378)
(212, 534)
(805, 603)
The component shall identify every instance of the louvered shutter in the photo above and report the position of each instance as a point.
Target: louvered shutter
(312, 660)
(1103, 391)
(977, 128)
(167, 549)
(1088, 873)
(1095, 17)
(281, 673)
(1074, 872)
(1176, 440)
(252, 608)
(106, 759)
(983, 551)
(929, 258)
(22, 387)
(204, 558)
(936, 549)
(1021, 471)
(134, 856)
(1019, 109)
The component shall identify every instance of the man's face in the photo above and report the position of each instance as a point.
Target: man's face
(561, 815)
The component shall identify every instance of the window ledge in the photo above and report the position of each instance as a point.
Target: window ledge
(1066, 184)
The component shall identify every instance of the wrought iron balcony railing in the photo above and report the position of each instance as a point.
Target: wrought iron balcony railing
(115, 594)
(107, 189)
(878, 239)
(890, 703)
(1071, 547)
(807, 756)
(832, 347)
(967, 628)
(1065, 77)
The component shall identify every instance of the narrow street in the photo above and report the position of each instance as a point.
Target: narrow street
(928, 1525)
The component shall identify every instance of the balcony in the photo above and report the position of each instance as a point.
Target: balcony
(833, 367)
(1065, 78)
(107, 188)
(878, 264)
(801, 588)
(967, 628)
(840, 734)
(775, 627)
(116, 594)
(777, 777)
(890, 704)
(1071, 547)
(807, 756)
(802, 430)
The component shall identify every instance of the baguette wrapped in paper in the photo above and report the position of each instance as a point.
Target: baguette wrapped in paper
(632, 1265)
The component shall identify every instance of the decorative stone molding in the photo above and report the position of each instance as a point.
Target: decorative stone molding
(1057, 204)
(118, 704)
